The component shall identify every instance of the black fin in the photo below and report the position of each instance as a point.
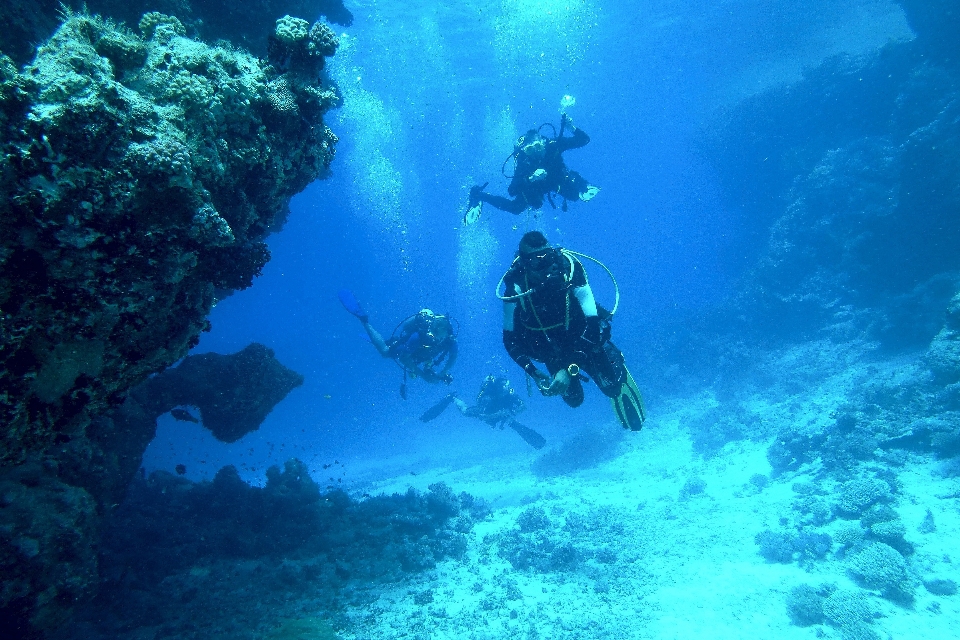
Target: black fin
(529, 436)
(435, 411)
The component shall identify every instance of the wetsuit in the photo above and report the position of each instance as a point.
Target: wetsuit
(528, 193)
(549, 325)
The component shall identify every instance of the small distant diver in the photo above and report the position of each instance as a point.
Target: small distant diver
(423, 345)
(550, 315)
(539, 172)
(497, 405)
(183, 415)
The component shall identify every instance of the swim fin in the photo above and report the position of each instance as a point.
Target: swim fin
(589, 193)
(529, 436)
(435, 411)
(349, 302)
(628, 404)
(473, 214)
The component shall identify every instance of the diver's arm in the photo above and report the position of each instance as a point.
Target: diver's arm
(452, 351)
(587, 302)
(577, 140)
(592, 332)
(509, 308)
(511, 340)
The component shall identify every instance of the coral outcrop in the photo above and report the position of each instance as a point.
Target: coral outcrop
(247, 24)
(49, 515)
(140, 175)
(234, 393)
(227, 556)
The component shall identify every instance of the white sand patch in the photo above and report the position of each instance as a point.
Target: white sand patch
(667, 537)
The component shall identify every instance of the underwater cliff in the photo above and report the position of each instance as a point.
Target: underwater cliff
(141, 173)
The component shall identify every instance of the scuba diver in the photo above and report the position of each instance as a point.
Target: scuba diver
(550, 315)
(539, 171)
(423, 345)
(497, 405)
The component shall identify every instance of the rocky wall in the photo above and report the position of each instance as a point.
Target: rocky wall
(140, 175)
(846, 186)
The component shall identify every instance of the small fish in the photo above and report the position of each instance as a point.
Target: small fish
(180, 469)
(327, 396)
(183, 415)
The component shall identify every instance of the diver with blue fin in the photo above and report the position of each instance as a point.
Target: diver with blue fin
(423, 345)
(497, 405)
(538, 172)
(551, 316)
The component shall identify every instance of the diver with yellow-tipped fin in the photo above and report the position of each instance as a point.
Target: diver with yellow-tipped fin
(551, 316)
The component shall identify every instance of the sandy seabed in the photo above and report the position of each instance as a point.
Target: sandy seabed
(675, 564)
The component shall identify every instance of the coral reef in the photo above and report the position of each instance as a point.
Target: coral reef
(245, 24)
(140, 178)
(879, 566)
(191, 555)
(943, 356)
(45, 553)
(140, 175)
(805, 605)
(848, 209)
(850, 611)
(847, 610)
(234, 394)
(783, 547)
(548, 545)
(857, 495)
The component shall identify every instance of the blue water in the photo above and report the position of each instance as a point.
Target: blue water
(434, 96)
(778, 206)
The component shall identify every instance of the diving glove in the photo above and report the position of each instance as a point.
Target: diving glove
(538, 175)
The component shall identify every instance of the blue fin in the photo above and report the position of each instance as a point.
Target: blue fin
(349, 302)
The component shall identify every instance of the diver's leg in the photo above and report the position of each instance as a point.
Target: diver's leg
(377, 340)
(609, 371)
(515, 206)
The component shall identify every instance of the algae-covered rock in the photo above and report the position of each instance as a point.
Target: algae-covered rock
(46, 558)
(943, 356)
(234, 392)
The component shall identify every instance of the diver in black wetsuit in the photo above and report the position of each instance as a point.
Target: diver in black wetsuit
(423, 345)
(497, 405)
(550, 315)
(539, 172)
